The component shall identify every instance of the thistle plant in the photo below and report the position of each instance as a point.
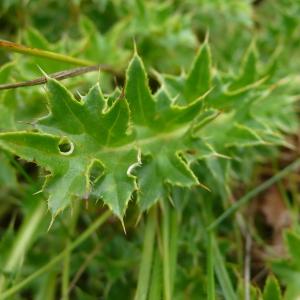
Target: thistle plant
(155, 140)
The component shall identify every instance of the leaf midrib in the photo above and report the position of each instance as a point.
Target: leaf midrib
(138, 143)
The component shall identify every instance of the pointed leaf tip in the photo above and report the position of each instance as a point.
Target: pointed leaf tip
(272, 289)
(135, 51)
(138, 94)
(199, 77)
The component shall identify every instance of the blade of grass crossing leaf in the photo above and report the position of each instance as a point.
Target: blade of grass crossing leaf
(87, 233)
(147, 257)
(222, 274)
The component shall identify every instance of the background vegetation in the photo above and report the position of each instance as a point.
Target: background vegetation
(214, 211)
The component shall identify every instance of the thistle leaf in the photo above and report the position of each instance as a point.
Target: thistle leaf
(110, 147)
(272, 289)
(138, 93)
(198, 80)
(188, 88)
(94, 146)
(71, 138)
(8, 176)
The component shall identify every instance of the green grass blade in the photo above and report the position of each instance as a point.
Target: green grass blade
(166, 252)
(265, 185)
(147, 257)
(93, 227)
(23, 240)
(210, 268)
(173, 245)
(222, 274)
(14, 47)
(156, 286)
(67, 260)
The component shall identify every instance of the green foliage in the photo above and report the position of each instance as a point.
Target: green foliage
(91, 132)
(272, 289)
(196, 96)
(288, 269)
(153, 135)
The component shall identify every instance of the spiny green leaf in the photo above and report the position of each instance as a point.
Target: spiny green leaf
(89, 119)
(293, 243)
(99, 47)
(170, 116)
(84, 132)
(150, 188)
(187, 88)
(159, 170)
(272, 289)
(198, 80)
(42, 148)
(138, 93)
(170, 125)
(8, 176)
(248, 72)
(111, 147)
(91, 147)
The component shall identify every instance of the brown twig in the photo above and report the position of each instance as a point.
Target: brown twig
(58, 75)
(87, 66)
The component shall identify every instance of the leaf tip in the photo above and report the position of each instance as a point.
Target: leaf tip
(51, 222)
(43, 73)
(123, 225)
(135, 51)
(206, 39)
